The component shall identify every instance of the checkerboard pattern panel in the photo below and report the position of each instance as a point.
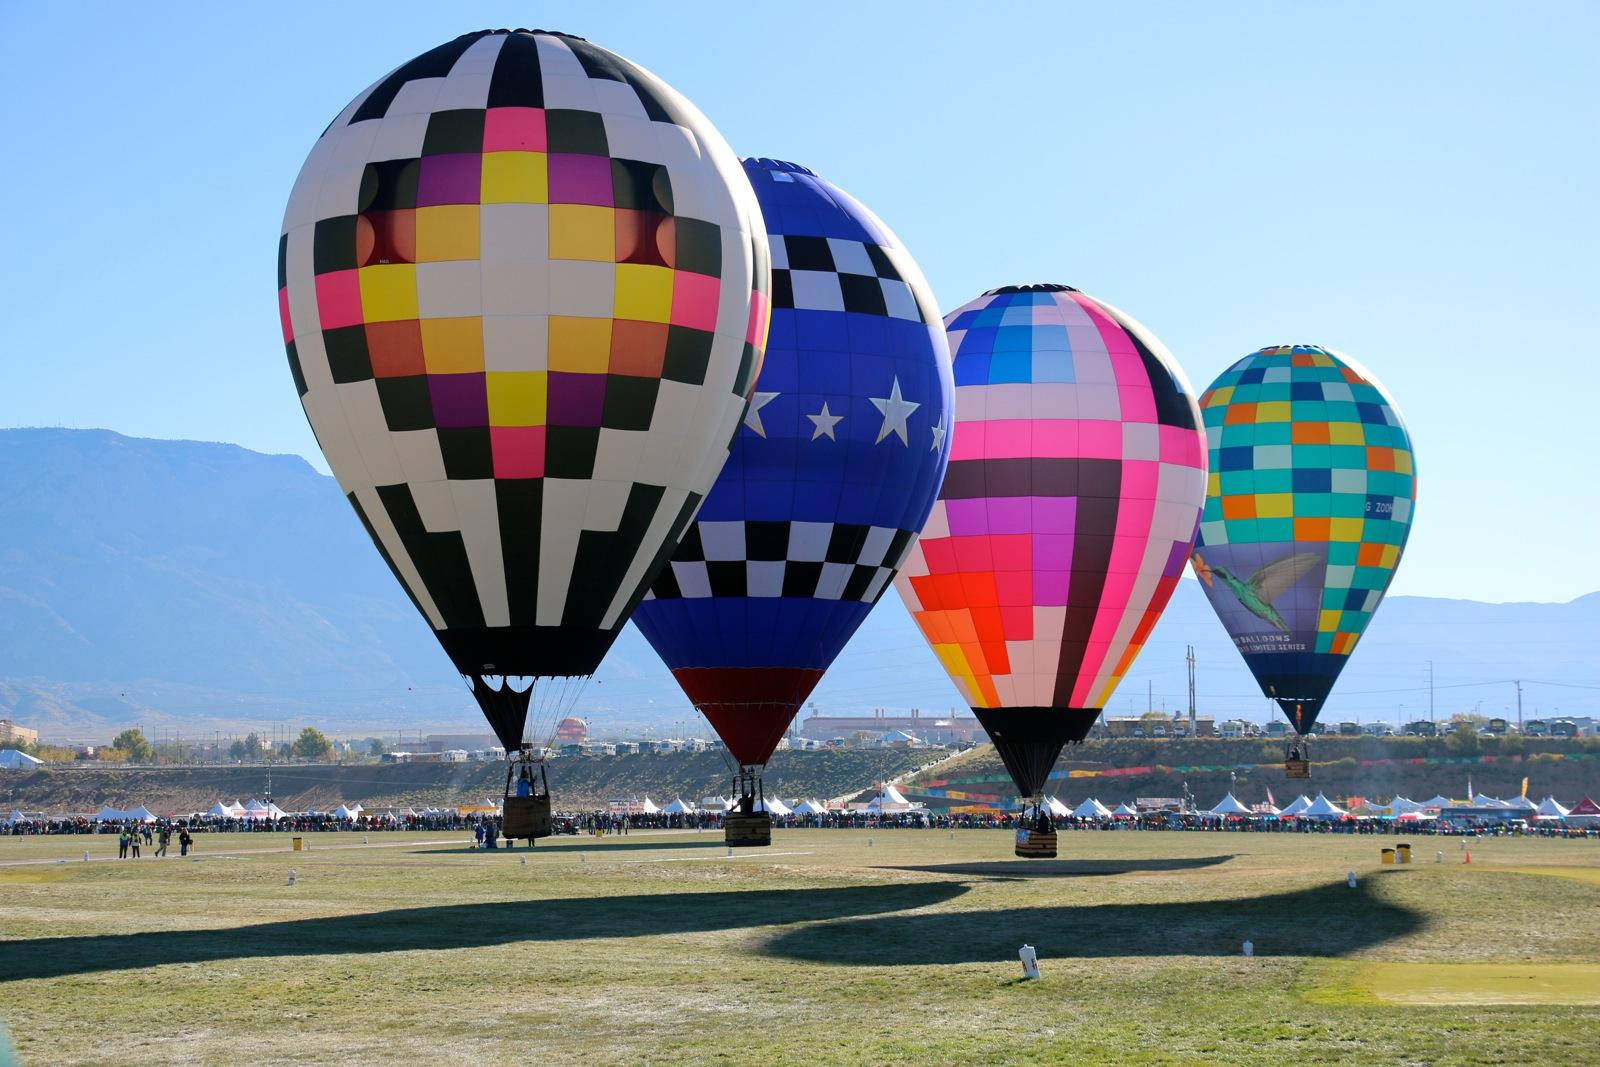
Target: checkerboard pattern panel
(821, 560)
(1305, 446)
(811, 273)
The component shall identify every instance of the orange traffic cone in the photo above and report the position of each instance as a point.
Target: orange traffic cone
(1468, 858)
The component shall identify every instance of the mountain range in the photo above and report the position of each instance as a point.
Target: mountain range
(198, 588)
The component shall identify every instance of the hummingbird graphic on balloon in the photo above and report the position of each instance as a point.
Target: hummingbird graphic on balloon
(1258, 592)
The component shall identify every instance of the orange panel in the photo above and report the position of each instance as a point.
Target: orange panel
(1309, 433)
(1239, 507)
(1311, 529)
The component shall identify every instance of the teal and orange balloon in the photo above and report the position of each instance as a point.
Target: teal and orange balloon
(1309, 502)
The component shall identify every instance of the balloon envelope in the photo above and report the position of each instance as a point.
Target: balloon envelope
(1308, 507)
(1076, 477)
(834, 470)
(523, 290)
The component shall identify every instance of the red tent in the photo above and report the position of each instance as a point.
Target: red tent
(1586, 806)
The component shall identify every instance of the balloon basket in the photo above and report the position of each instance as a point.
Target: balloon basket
(528, 816)
(748, 831)
(1036, 839)
(748, 825)
(1297, 759)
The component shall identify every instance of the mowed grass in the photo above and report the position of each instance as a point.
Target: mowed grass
(829, 947)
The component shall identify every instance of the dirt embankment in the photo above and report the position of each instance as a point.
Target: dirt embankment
(578, 783)
(1374, 767)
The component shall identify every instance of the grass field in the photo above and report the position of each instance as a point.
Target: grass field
(830, 947)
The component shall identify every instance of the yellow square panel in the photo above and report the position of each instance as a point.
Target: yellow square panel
(1390, 556)
(516, 398)
(1272, 411)
(581, 345)
(1345, 433)
(514, 178)
(1402, 461)
(1220, 396)
(449, 231)
(389, 292)
(644, 293)
(1213, 484)
(581, 231)
(452, 346)
(1344, 529)
(1274, 505)
(1328, 621)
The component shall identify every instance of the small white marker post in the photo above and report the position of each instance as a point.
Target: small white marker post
(86, 855)
(1438, 857)
(293, 876)
(1350, 879)
(1030, 962)
(1248, 948)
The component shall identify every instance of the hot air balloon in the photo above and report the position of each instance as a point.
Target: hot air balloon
(834, 470)
(1076, 477)
(523, 286)
(1307, 510)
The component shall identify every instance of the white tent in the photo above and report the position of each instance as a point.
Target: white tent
(678, 807)
(1404, 806)
(109, 814)
(889, 799)
(1125, 809)
(1521, 803)
(1323, 808)
(774, 806)
(140, 814)
(1229, 805)
(14, 760)
(258, 810)
(648, 807)
(1439, 801)
(1296, 806)
(1550, 808)
(345, 812)
(1091, 809)
(810, 807)
(1483, 800)
(1053, 804)
(15, 817)
(220, 810)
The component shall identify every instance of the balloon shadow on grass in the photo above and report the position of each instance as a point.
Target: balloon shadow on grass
(1027, 870)
(1330, 920)
(464, 926)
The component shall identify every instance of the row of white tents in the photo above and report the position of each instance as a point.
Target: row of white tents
(1304, 807)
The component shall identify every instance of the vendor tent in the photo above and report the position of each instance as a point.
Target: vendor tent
(346, 812)
(648, 807)
(1585, 811)
(109, 814)
(15, 817)
(1550, 808)
(678, 807)
(1521, 803)
(774, 806)
(809, 807)
(219, 810)
(1323, 808)
(1091, 809)
(1438, 802)
(1483, 800)
(1404, 806)
(889, 799)
(14, 760)
(1296, 806)
(1229, 805)
(1125, 811)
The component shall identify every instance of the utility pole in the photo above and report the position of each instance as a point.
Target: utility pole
(1430, 691)
(1149, 695)
(1519, 705)
(1192, 726)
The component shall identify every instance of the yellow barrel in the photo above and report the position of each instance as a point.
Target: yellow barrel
(1403, 852)
(1388, 856)
(299, 844)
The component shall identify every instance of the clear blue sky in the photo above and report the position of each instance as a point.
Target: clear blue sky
(1413, 184)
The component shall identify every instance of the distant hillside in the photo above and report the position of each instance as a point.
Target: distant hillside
(1342, 767)
(203, 587)
(582, 783)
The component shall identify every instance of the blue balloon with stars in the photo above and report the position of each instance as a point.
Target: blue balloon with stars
(830, 478)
